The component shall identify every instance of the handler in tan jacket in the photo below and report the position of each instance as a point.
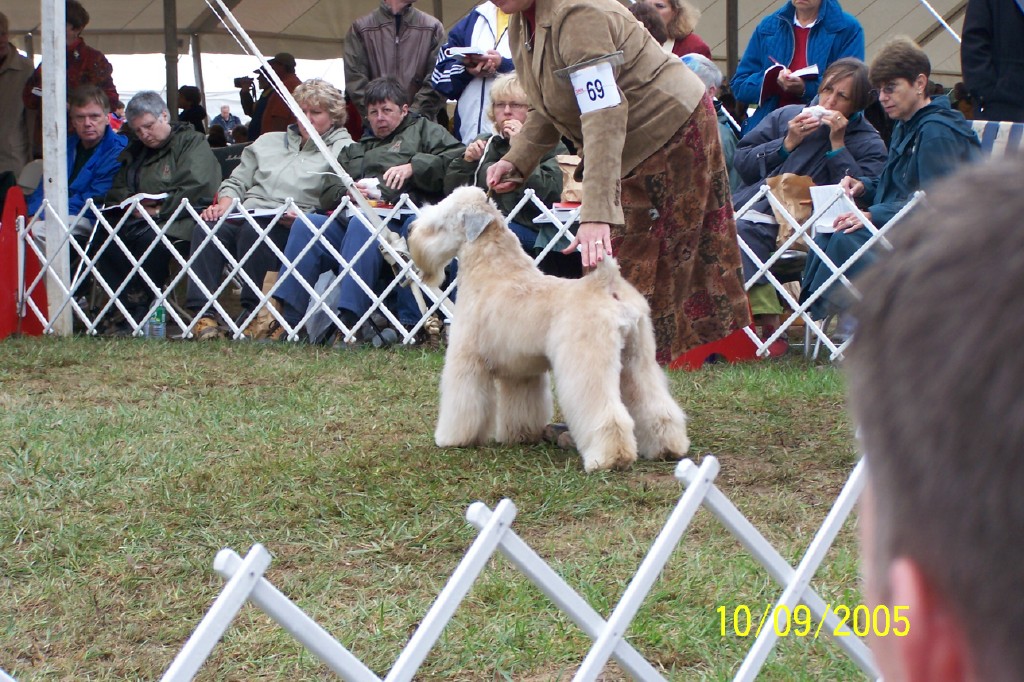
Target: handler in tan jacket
(655, 185)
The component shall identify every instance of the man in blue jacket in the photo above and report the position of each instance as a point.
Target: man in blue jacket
(803, 33)
(93, 149)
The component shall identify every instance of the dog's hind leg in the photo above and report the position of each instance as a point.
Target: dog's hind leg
(466, 414)
(524, 408)
(588, 393)
(660, 422)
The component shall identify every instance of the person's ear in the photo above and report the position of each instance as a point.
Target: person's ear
(405, 109)
(921, 83)
(934, 646)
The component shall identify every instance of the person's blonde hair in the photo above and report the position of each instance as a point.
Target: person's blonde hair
(506, 86)
(318, 92)
(3, 22)
(684, 21)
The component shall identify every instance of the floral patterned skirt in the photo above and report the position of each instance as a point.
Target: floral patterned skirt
(678, 245)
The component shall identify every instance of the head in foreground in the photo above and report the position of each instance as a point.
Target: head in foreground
(935, 372)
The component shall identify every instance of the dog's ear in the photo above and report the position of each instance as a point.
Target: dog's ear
(476, 221)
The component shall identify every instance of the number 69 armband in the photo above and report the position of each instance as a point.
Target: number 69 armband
(593, 82)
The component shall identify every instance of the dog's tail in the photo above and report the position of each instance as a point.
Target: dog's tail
(607, 277)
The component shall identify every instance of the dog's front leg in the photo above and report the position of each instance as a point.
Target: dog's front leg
(524, 408)
(466, 415)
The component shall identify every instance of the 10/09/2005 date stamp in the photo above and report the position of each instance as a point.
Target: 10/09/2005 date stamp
(859, 620)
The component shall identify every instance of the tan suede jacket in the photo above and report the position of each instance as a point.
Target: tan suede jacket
(658, 95)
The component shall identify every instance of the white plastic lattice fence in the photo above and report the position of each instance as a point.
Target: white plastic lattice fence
(104, 236)
(246, 583)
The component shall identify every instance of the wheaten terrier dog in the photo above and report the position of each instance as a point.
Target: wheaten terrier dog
(513, 324)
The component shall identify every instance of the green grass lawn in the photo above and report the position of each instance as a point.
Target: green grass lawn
(125, 465)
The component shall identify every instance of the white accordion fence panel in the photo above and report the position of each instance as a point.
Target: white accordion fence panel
(86, 251)
(245, 582)
(437, 307)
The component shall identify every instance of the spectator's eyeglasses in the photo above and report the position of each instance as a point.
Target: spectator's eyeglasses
(888, 89)
(516, 106)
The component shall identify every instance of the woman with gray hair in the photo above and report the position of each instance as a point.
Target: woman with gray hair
(273, 168)
(173, 162)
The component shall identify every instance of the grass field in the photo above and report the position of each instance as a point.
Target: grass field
(125, 465)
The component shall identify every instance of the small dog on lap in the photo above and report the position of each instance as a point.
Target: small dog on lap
(514, 325)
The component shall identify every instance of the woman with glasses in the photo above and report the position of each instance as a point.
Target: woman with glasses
(507, 113)
(655, 185)
(930, 140)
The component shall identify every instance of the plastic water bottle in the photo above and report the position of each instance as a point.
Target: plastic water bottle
(157, 326)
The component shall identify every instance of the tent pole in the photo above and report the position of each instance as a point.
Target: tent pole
(732, 37)
(55, 161)
(171, 55)
(197, 67)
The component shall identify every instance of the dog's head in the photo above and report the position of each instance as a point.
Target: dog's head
(441, 230)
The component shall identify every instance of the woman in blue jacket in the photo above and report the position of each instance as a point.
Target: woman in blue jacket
(930, 140)
(800, 34)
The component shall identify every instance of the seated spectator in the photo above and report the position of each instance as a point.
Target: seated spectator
(808, 33)
(217, 137)
(275, 167)
(225, 119)
(934, 393)
(240, 134)
(192, 111)
(93, 152)
(930, 140)
(795, 140)
(404, 153)
(468, 78)
(164, 158)
(506, 116)
(728, 129)
(680, 19)
(85, 66)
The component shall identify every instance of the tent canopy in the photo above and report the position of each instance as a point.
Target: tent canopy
(315, 29)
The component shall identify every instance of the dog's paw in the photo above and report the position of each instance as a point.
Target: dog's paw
(618, 461)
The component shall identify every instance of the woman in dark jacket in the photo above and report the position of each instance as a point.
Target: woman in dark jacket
(795, 140)
(930, 141)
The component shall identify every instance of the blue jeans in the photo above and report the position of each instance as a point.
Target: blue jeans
(347, 241)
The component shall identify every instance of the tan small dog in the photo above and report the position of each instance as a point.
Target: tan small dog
(513, 324)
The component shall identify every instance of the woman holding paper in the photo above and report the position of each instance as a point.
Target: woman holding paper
(788, 50)
(275, 167)
(930, 140)
(825, 143)
(655, 186)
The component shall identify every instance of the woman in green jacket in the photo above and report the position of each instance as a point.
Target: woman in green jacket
(507, 113)
(173, 162)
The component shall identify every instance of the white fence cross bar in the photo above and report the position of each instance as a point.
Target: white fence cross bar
(216, 621)
(796, 582)
(554, 587)
(293, 619)
(648, 572)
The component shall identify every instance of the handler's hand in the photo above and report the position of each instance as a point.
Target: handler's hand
(503, 176)
(595, 242)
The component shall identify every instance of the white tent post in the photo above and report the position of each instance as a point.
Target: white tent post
(55, 159)
(171, 55)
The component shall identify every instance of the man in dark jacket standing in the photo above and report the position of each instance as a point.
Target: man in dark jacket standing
(992, 58)
(395, 41)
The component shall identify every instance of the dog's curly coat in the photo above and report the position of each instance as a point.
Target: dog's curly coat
(513, 324)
